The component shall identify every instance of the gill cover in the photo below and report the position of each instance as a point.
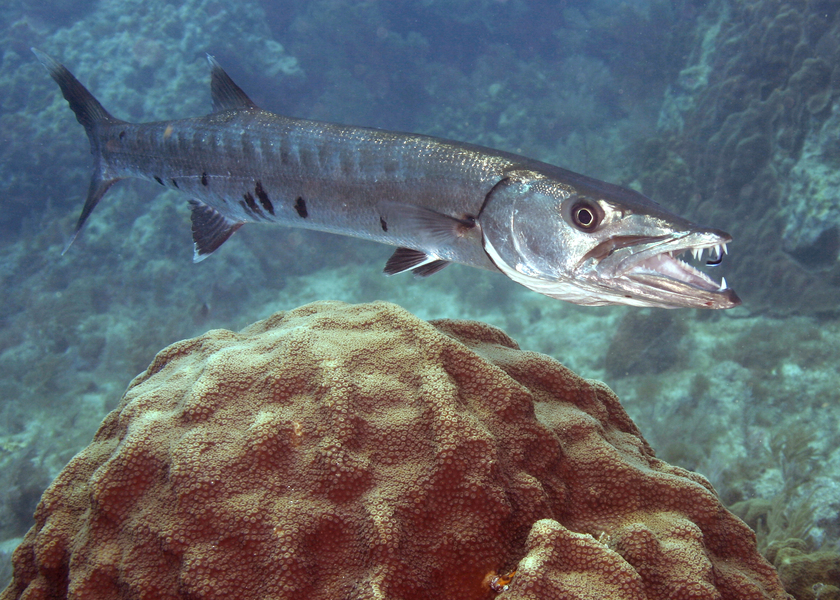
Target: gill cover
(535, 230)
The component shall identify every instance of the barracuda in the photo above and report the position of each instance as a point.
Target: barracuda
(556, 232)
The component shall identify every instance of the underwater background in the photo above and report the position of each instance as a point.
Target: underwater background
(726, 112)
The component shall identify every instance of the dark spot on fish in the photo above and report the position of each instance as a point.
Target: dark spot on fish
(204, 179)
(249, 199)
(300, 207)
(263, 196)
(383, 224)
(249, 209)
(122, 134)
(175, 183)
(159, 180)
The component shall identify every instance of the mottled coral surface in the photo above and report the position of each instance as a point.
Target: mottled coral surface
(354, 451)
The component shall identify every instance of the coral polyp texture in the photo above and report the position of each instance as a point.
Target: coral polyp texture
(355, 451)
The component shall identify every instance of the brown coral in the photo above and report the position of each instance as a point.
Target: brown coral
(339, 451)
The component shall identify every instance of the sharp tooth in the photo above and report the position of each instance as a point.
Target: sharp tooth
(697, 253)
(725, 251)
(723, 283)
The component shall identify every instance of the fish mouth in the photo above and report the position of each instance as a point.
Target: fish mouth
(655, 263)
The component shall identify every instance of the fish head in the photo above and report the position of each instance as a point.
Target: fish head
(589, 242)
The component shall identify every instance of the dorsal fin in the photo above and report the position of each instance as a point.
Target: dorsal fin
(224, 92)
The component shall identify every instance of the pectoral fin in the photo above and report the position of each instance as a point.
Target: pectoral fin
(432, 229)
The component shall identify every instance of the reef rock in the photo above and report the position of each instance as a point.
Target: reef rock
(749, 143)
(338, 451)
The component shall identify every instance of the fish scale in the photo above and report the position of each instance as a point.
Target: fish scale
(559, 233)
(341, 173)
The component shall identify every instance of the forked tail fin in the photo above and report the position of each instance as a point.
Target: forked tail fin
(91, 114)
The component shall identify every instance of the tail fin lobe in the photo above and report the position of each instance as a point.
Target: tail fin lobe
(89, 112)
(92, 115)
(97, 189)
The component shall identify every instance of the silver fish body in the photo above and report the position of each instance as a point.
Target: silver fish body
(256, 166)
(559, 233)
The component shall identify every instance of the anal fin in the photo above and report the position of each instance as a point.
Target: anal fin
(210, 229)
(417, 261)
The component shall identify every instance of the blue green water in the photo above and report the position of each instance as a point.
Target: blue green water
(671, 98)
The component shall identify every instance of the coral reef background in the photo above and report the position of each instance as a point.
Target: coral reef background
(356, 451)
(677, 99)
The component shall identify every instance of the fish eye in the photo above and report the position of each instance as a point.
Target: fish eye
(584, 216)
